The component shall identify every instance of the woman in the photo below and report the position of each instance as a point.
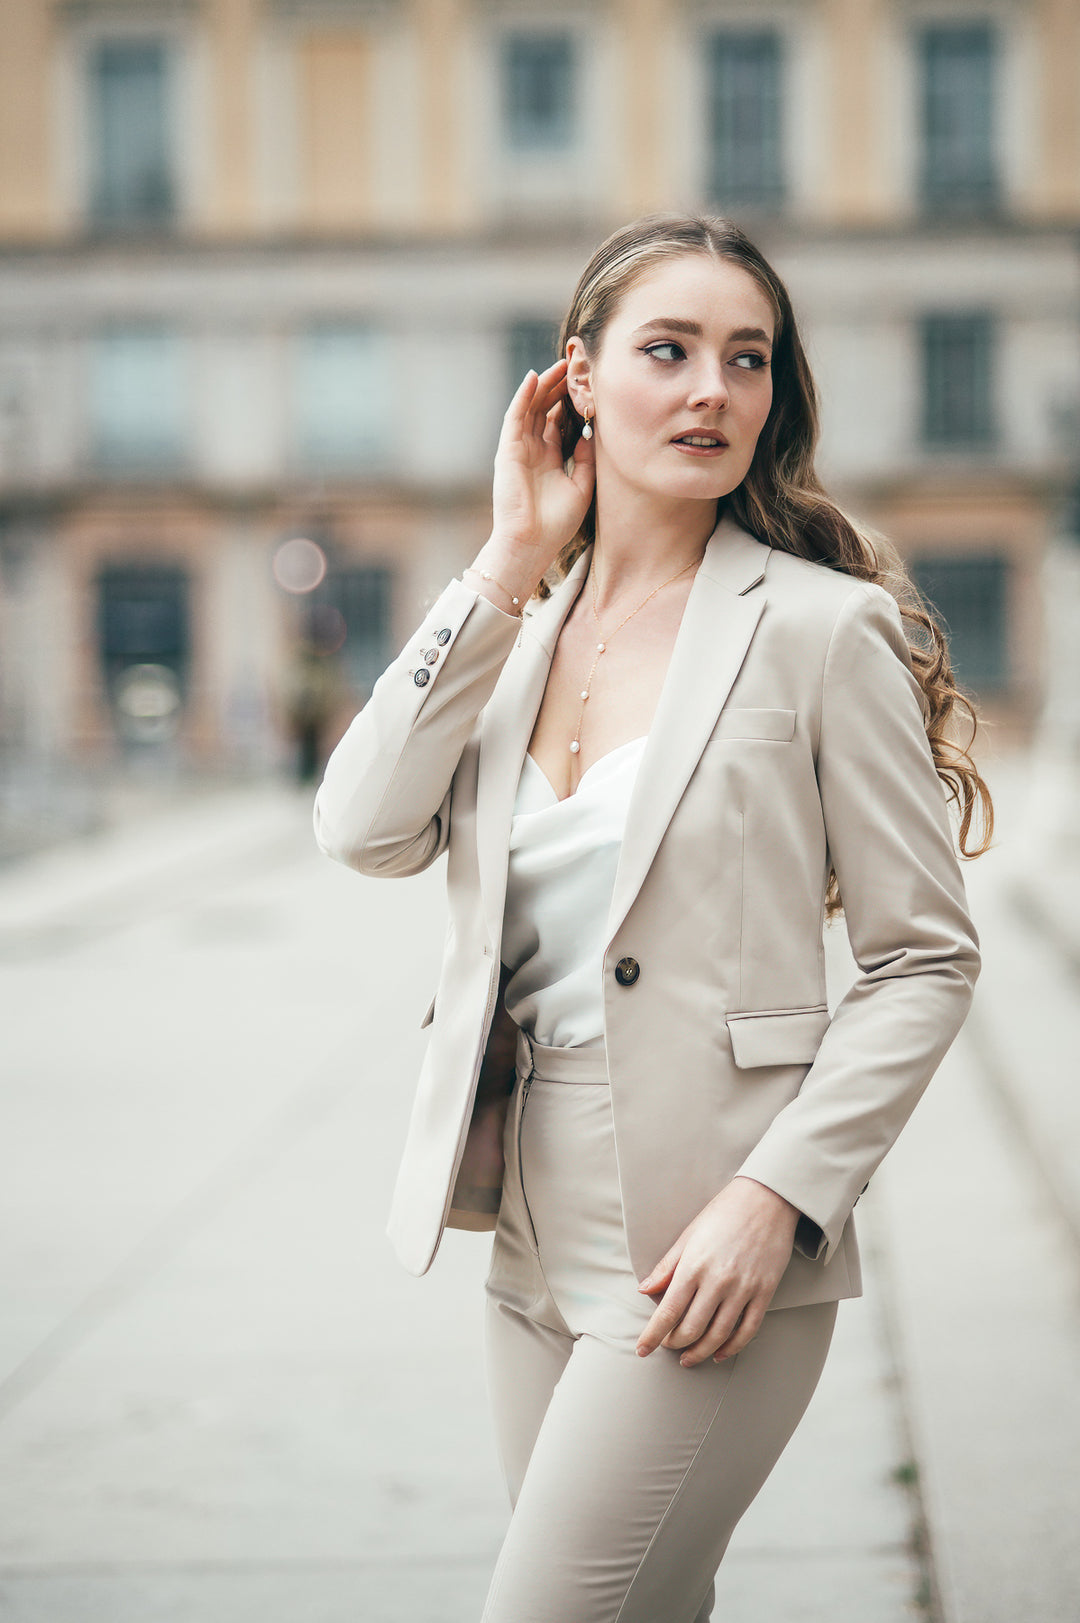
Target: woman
(654, 779)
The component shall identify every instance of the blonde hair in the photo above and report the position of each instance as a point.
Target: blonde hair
(781, 500)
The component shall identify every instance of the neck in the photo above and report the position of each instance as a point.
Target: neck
(642, 542)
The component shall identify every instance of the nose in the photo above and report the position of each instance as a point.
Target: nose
(710, 390)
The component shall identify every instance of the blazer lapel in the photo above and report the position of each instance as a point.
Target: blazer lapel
(505, 729)
(718, 624)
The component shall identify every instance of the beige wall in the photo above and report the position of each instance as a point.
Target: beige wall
(1058, 186)
(27, 159)
(334, 124)
(338, 128)
(855, 191)
(233, 30)
(643, 22)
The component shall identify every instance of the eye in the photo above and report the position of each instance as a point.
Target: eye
(751, 361)
(666, 351)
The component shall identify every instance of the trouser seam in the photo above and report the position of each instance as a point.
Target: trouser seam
(658, 1529)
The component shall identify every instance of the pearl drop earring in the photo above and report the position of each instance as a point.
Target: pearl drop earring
(586, 432)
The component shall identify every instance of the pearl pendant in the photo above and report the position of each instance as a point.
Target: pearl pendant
(600, 648)
(574, 746)
(584, 695)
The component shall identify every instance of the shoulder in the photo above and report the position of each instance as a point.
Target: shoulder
(804, 600)
(814, 584)
(822, 603)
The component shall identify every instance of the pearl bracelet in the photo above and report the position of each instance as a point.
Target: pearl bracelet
(486, 574)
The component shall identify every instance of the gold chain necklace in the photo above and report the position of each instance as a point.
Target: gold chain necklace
(602, 645)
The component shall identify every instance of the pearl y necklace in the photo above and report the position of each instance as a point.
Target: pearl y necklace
(602, 645)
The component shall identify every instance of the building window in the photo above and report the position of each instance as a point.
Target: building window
(539, 92)
(970, 593)
(343, 410)
(138, 399)
(133, 183)
(143, 643)
(959, 165)
(744, 118)
(531, 345)
(958, 382)
(356, 602)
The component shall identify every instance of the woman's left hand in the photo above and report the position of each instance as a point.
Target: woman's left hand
(719, 1277)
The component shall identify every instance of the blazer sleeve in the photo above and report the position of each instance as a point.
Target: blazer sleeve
(916, 948)
(384, 802)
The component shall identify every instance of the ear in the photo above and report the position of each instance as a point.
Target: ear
(578, 375)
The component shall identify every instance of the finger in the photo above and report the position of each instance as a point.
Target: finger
(664, 1320)
(744, 1333)
(553, 427)
(725, 1322)
(553, 374)
(694, 1323)
(519, 406)
(660, 1277)
(549, 393)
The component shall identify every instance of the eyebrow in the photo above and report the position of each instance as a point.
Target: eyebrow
(694, 330)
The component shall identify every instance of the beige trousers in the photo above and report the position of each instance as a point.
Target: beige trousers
(627, 1475)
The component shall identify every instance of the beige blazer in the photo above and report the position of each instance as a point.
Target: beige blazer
(789, 732)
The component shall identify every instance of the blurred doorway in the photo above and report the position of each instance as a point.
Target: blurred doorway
(144, 642)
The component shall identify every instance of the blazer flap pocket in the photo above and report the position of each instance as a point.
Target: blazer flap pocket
(777, 1036)
(778, 725)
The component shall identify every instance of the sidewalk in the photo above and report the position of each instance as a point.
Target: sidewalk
(221, 1399)
(981, 1209)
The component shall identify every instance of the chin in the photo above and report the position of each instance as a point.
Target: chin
(702, 490)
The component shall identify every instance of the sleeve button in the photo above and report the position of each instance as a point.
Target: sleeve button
(443, 637)
(422, 677)
(430, 655)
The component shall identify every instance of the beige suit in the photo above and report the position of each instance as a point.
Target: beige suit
(789, 733)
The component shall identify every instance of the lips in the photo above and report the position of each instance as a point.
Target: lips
(699, 441)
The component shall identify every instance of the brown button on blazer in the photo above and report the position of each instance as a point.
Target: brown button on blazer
(789, 733)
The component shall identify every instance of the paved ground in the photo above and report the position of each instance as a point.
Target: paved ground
(221, 1400)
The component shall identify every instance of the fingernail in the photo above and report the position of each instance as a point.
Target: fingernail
(645, 1283)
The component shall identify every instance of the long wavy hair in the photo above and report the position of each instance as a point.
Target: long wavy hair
(781, 500)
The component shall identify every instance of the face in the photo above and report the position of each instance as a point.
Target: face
(681, 385)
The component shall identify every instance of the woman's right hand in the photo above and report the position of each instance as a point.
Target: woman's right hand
(537, 506)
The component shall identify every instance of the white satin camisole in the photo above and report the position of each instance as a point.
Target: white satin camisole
(564, 855)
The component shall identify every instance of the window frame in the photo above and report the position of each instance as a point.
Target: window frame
(363, 656)
(536, 145)
(190, 116)
(775, 195)
(998, 675)
(537, 185)
(979, 196)
(984, 432)
(111, 215)
(362, 460)
(172, 456)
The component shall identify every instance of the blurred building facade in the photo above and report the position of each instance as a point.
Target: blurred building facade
(269, 269)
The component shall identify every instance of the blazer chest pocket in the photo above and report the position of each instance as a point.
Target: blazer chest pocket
(777, 1036)
(776, 726)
